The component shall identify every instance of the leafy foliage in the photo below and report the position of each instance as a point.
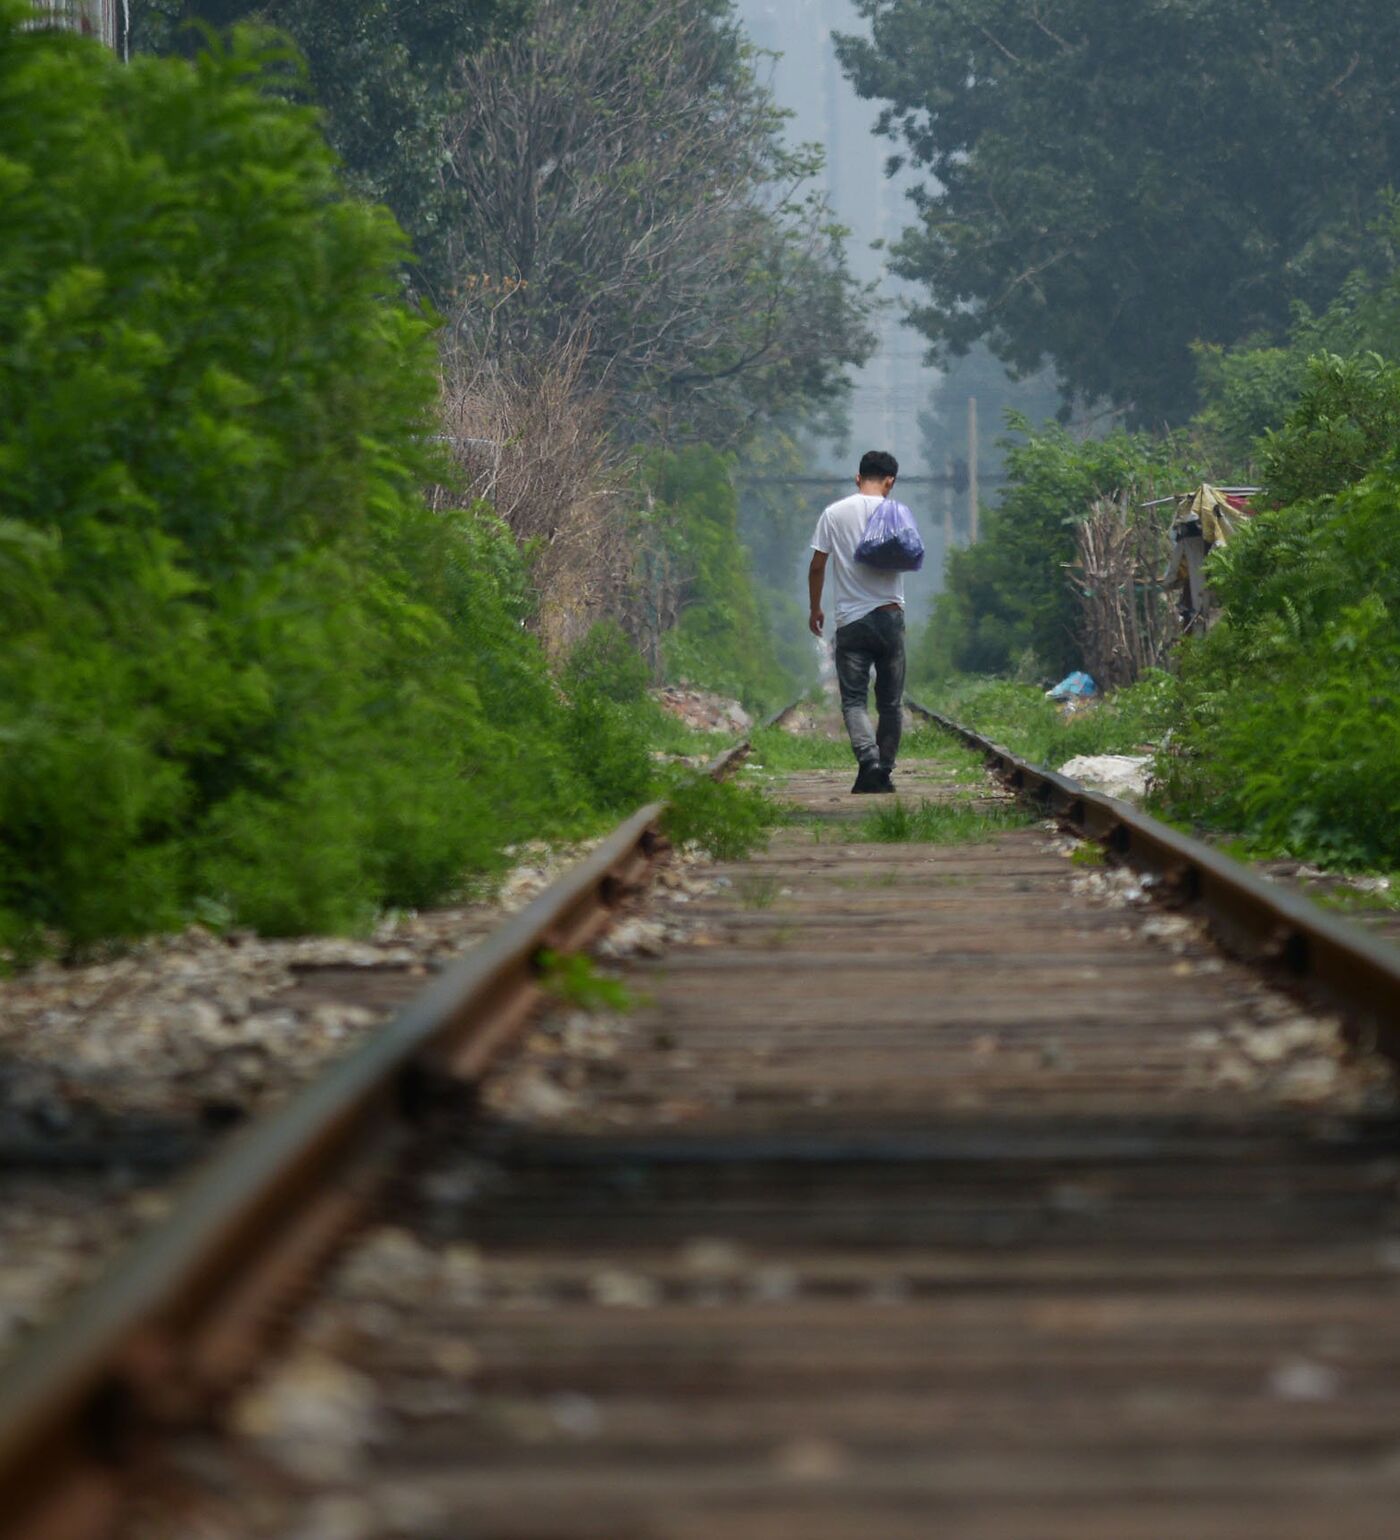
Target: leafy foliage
(652, 207)
(610, 717)
(1346, 421)
(1007, 596)
(1290, 735)
(721, 638)
(776, 520)
(246, 675)
(1109, 184)
(385, 74)
(1245, 391)
(728, 819)
(574, 979)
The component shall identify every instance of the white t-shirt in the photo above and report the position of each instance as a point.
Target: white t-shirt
(855, 588)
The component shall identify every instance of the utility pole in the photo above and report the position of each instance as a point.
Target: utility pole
(947, 505)
(973, 448)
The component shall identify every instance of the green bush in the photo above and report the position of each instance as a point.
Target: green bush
(611, 748)
(721, 640)
(1006, 595)
(1245, 391)
(1290, 734)
(612, 721)
(246, 675)
(210, 417)
(1344, 423)
(727, 818)
(606, 662)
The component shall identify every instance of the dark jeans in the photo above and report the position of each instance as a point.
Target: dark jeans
(874, 641)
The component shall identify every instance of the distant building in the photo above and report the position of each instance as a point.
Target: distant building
(108, 19)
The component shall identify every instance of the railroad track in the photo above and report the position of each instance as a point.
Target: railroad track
(929, 1188)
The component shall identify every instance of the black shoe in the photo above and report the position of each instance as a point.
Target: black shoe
(869, 778)
(886, 781)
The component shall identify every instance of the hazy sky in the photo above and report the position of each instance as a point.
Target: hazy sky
(892, 390)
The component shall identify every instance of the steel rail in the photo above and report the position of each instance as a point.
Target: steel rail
(1334, 962)
(181, 1315)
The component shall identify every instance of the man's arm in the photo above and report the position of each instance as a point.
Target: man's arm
(816, 576)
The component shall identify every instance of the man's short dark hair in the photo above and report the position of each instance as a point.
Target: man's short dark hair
(876, 464)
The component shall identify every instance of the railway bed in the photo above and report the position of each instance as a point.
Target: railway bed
(924, 1189)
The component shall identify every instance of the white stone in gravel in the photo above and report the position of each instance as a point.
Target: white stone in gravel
(712, 1257)
(634, 937)
(1300, 1379)
(620, 1290)
(1270, 1045)
(533, 1096)
(1170, 927)
(1310, 1081)
(576, 1414)
(313, 1416)
(389, 1264)
(1116, 775)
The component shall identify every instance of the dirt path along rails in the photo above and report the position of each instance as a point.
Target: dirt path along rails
(937, 1187)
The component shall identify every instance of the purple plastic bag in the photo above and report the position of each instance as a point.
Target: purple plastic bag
(891, 539)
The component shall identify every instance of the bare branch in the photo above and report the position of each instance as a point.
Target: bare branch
(1346, 75)
(998, 44)
(1049, 31)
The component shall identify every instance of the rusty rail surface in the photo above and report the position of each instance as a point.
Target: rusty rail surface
(155, 1340)
(1331, 960)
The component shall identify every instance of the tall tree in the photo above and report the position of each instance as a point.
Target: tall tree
(386, 74)
(1110, 183)
(622, 178)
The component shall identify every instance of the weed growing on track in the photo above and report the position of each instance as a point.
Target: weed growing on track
(940, 823)
(774, 749)
(757, 892)
(924, 741)
(1019, 717)
(780, 751)
(575, 980)
(725, 818)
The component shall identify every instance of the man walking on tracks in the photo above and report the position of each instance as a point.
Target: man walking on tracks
(869, 606)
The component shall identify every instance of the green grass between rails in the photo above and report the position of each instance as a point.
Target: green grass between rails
(925, 742)
(776, 750)
(940, 823)
(727, 818)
